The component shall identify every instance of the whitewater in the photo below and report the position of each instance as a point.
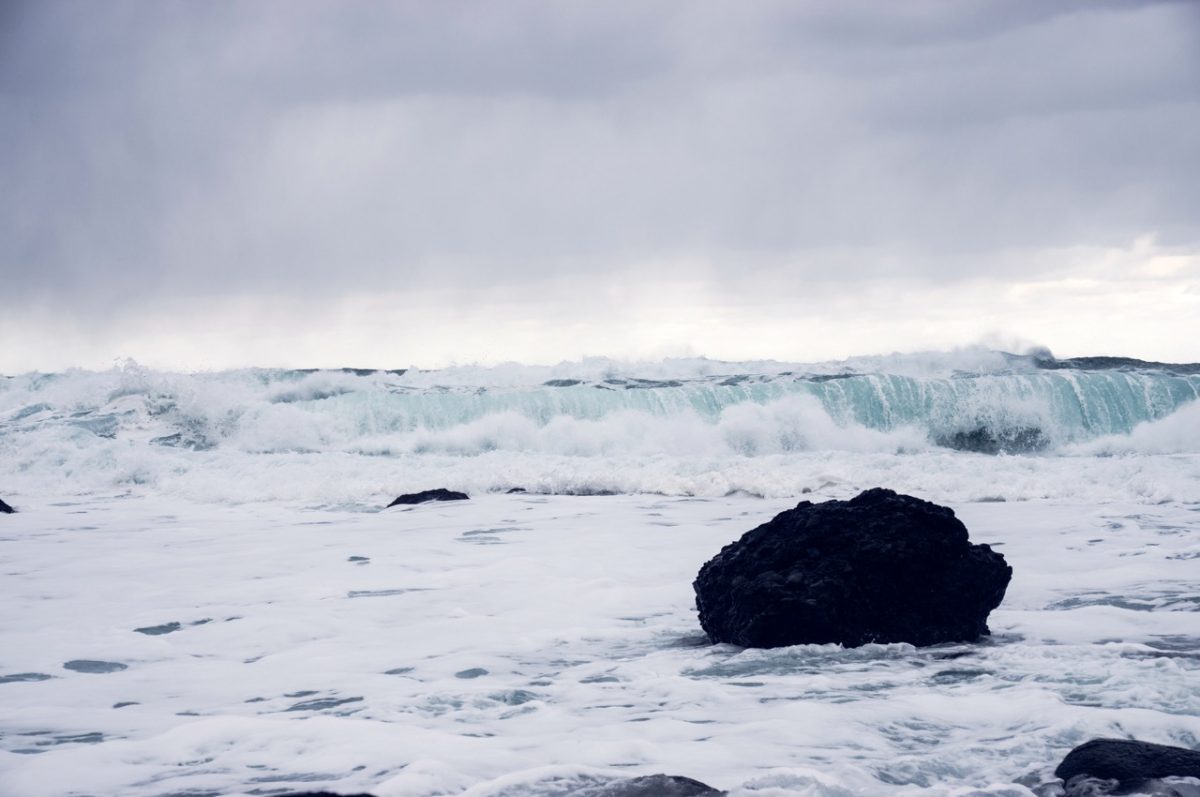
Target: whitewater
(205, 596)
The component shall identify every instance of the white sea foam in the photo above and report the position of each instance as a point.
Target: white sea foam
(523, 644)
(1178, 433)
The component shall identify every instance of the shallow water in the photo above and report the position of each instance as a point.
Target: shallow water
(203, 595)
(522, 644)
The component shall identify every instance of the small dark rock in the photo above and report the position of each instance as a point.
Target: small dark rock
(324, 794)
(159, 630)
(515, 491)
(439, 494)
(649, 786)
(881, 567)
(6, 509)
(1128, 761)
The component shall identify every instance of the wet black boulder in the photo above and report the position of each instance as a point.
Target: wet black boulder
(1128, 761)
(5, 508)
(424, 496)
(881, 567)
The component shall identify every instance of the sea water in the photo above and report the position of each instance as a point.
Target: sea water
(203, 595)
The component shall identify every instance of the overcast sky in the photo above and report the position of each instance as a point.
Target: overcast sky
(202, 185)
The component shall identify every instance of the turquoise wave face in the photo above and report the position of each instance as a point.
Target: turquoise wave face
(1012, 412)
(1033, 410)
(1008, 412)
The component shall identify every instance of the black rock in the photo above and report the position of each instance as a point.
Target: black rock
(324, 794)
(649, 786)
(881, 567)
(439, 494)
(515, 491)
(1128, 761)
(5, 508)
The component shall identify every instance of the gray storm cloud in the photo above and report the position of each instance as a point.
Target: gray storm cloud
(156, 148)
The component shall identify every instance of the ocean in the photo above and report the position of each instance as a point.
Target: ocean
(204, 594)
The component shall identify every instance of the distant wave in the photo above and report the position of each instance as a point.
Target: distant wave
(1018, 404)
(142, 427)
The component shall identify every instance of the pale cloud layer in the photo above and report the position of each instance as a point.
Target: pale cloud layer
(204, 184)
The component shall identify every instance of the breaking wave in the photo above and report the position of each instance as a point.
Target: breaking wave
(141, 426)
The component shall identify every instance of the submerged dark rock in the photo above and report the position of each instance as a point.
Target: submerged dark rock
(191, 442)
(987, 440)
(95, 667)
(17, 677)
(881, 567)
(424, 496)
(649, 786)
(587, 491)
(1128, 761)
(5, 508)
